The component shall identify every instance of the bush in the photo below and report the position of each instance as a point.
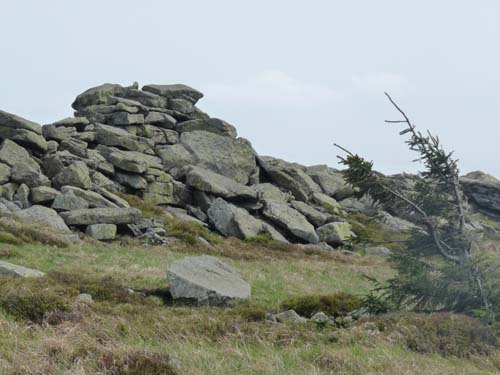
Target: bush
(101, 289)
(338, 304)
(442, 333)
(138, 362)
(33, 299)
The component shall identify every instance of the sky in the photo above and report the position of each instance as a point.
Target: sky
(293, 76)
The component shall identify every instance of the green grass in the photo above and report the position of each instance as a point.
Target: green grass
(119, 334)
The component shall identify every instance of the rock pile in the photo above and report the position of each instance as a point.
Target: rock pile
(157, 144)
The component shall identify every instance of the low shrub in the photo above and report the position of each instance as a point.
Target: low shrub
(337, 304)
(33, 299)
(138, 362)
(443, 333)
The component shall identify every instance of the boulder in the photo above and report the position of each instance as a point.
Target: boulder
(42, 215)
(111, 136)
(335, 233)
(162, 120)
(330, 181)
(483, 190)
(4, 173)
(233, 158)
(395, 223)
(211, 125)
(98, 95)
(289, 316)
(317, 218)
(270, 192)
(22, 131)
(232, 221)
(102, 216)
(43, 194)
(94, 199)
(76, 174)
(290, 220)
(58, 133)
(216, 184)
(11, 154)
(175, 156)
(132, 161)
(25, 174)
(69, 202)
(175, 91)
(289, 176)
(206, 280)
(132, 180)
(74, 122)
(13, 270)
(102, 232)
(22, 196)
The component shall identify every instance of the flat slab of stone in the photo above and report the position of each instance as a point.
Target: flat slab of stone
(13, 270)
(206, 280)
(102, 216)
(102, 232)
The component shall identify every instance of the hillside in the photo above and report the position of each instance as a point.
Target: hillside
(100, 205)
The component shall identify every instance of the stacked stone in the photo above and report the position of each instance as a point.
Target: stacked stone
(155, 143)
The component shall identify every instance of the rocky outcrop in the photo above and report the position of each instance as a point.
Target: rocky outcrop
(484, 191)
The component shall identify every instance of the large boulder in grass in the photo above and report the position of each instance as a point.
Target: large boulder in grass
(13, 270)
(102, 216)
(44, 216)
(291, 221)
(335, 233)
(24, 132)
(205, 280)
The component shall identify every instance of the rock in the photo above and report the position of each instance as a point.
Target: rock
(232, 221)
(175, 156)
(378, 250)
(12, 270)
(22, 196)
(175, 91)
(335, 233)
(102, 232)
(111, 136)
(4, 173)
(42, 215)
(22, 131)
(484, 191)
(364, 205)
(25, 174)
(132, 180)
(216, 184)
(395, 223)
(98, 95)
(69, 202)
(102, 216)
(43, 194)
(148, 99)
(162, 120)
(125, 118)
(76, 174)
(132, 161)
(290, 177)
(321, 318)
(58, 133)
(330, 181)
(327, 203)
(84, 298)
(94, 199)
(317, 218)
(74, 122)
(290, 220)
(182, 214)
(289, 316)
(270, 192)
(233, 158)
(212, 125)
(8, 190)
(11, 154)
(206, 280)
(76, 147)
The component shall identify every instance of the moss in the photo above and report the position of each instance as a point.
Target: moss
(265, 239)
(17, 232)
(443, 333)
(33, 299)
(338, 304)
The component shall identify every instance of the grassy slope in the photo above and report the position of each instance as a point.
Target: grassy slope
(211, 340)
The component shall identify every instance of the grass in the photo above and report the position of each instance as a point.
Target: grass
(128, 334)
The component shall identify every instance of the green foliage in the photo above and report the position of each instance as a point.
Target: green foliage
(443, 333)
(377, 304)
(338, 304)
(369, 231)
(33, 299)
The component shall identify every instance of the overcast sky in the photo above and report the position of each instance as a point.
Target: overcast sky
(292, 76)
